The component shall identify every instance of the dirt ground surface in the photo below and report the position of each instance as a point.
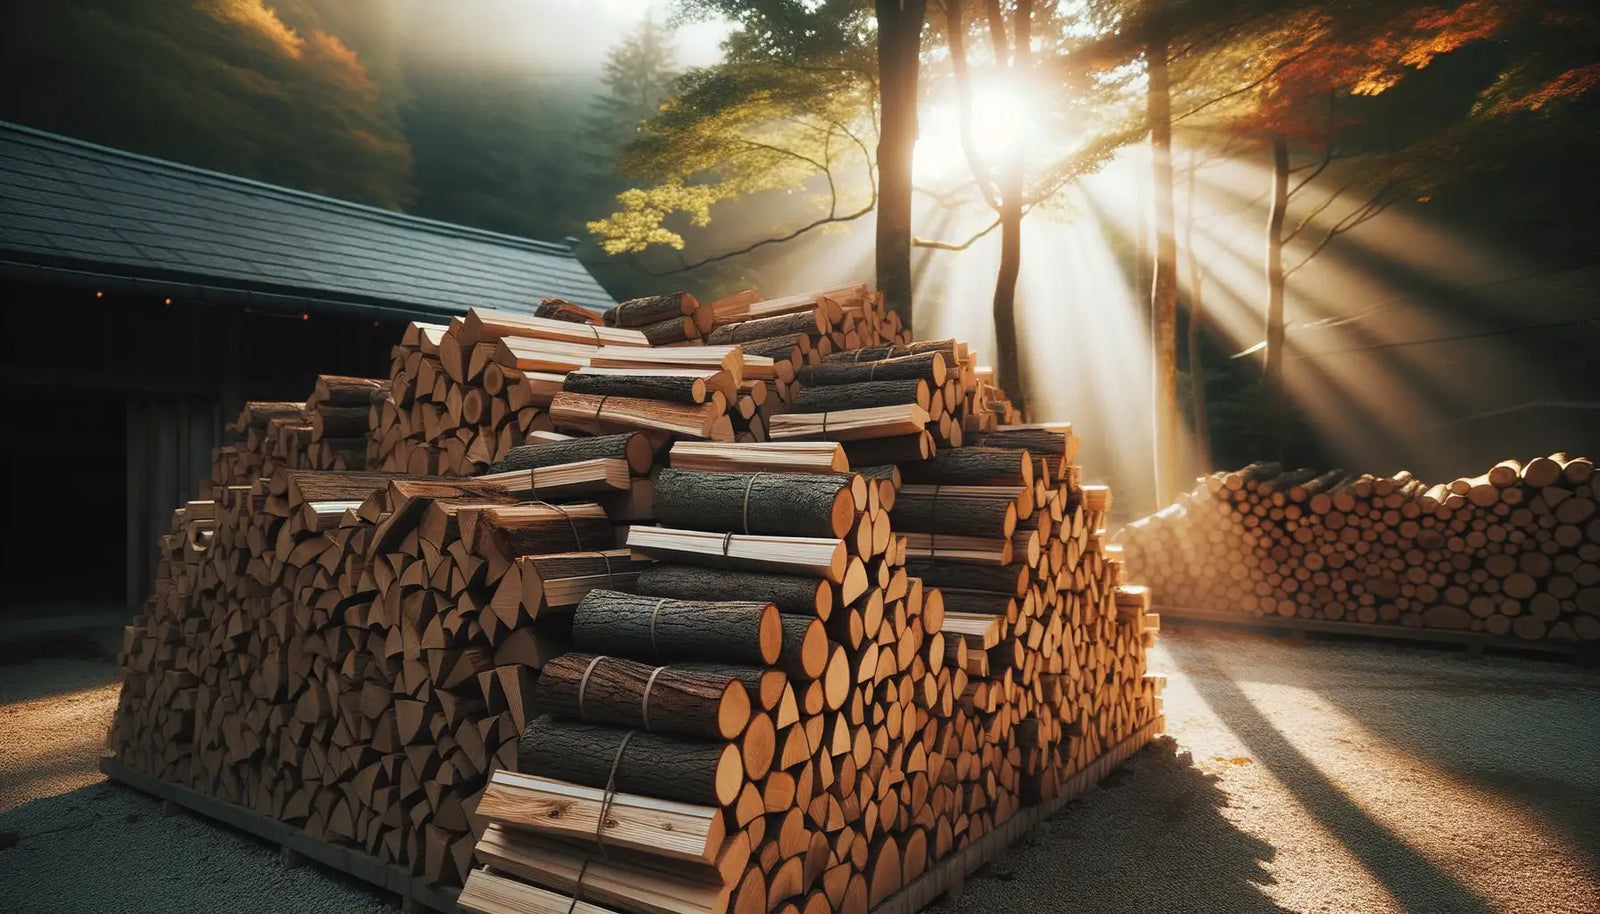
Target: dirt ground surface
(1298, 777)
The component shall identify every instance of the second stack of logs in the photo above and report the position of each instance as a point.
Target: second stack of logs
(1514, 551)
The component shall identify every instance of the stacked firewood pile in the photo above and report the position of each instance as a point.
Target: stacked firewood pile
(1515, 550)
(329, 431)
(465, 394)
(634, 662)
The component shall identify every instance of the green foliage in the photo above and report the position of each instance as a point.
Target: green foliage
(738, 129)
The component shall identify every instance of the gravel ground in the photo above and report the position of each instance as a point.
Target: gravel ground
(1330, 776)
(1299, 777)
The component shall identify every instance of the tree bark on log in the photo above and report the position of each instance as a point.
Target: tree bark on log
(873, 353)
(674, 389)
(653, 309)
(632, 446)
(625, 693)
(804, 322)
(972, 466)
(648, 764)
(960, 515)
(338, 422)
(1011, 580)
(781, 504)
(893, 449)
(792, 595)
(663, 629)
(863, 395)
(928, 366)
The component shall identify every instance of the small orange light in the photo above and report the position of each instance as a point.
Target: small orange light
(99, 294)
(167, 302)
(1423, 199)
(305, 317)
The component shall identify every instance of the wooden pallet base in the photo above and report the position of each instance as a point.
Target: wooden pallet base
(416, 895)
(948, 877)
(1474, 642)
(945, 878)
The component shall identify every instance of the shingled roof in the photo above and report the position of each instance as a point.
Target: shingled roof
(78, 211)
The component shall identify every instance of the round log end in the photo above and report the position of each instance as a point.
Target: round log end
(730, 775)
(843, 515)
(757, 746)
(733, 709)
(770, 634)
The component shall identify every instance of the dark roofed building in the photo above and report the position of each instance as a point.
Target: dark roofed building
(145, 301)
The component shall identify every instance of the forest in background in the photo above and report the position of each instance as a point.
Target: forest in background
(437, 110)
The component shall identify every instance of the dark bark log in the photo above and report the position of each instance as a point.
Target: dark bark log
(899, 48)
(625, 693)
(802, 322)
(339, 390)
(972, 466)
(338, 422)
(928, 366)
(957, 515)
(638, 312)
(778, 347)
(533, 529)
(1011, 580)
(649, 764)
(779, 504)
(791, 594)
(672, 330)
(896, 449)
(863, 395)
(560, 309)
(766, 686)
(654, 628)
(1041, 442)
(875, 353)
(633, 446)
(644, 385)
(256, 414)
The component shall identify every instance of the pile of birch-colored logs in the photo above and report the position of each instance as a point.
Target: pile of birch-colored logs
(329, 431)
(1513, 551)
(465, 393)
(631, 661)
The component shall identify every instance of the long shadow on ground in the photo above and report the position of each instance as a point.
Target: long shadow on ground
(1152, 838)
(1524, 729)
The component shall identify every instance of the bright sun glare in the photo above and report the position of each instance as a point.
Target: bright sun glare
(1001, 129)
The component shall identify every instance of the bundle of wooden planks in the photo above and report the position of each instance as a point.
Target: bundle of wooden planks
(630, 661)
(1515, 550)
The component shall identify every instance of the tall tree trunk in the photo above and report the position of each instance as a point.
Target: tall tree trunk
(1164, 287)
(1272, 373)
(899, 57)
(1197, 369)
(1005, 293)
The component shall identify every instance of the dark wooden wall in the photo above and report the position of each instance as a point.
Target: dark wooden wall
(113, 405)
